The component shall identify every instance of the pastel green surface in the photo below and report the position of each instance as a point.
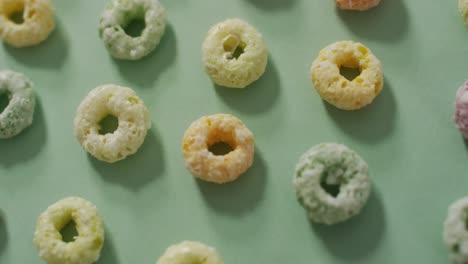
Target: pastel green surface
(416, 157)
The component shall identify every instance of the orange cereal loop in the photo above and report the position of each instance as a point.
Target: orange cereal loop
(209, 130)
(360, 5)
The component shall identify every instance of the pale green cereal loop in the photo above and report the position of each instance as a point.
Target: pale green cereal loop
(234, 54)
(456, 231)
(133, 124)
(189, 252)
(338, 168)
(86, 246)
(19, 112)
(119, 14)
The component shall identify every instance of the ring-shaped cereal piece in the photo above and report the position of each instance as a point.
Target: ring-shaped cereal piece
(26, 22)
(119, 14)
(461, 109)
(190, 252)
(86, 246)
(332, 183)
(456, 231)
(360, 5)
(19, 112)
(234, 54)
(335, 88)
(213, 129)
(463, 7)
(133, 124)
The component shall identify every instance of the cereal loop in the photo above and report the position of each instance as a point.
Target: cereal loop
(19, 112)
(133, 122)
(335, 88)
(26, 22)
(456, 231)
(190, 252)
(463, 6)
(86, 246)
(209, 130)
(234, 54)
(332, 183)
(119, 14)
(360, 5)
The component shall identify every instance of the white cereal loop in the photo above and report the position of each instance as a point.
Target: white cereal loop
(19, 112)
(189, 252)
(38, 21)
(133, 116)
(119, 14)
(456, 231)
(335, 88)
(86, 246)
(209, 130)
(463, 7)
(234, 54)
(332, 183)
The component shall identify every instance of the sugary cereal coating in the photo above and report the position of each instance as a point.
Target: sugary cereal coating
(234, 54)
(119, 14)
(455, 231)
(461, 109)
(133, 116)
(19, 112)
(86, 246)
(189, 252)
(37, 21)
(209, 130)
(360, 5)
(463, 6)
(335, 88)
(332, 183)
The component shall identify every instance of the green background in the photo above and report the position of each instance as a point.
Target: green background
(418, 160)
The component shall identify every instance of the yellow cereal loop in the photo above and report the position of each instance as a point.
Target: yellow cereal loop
(213, 129)
(234, 54)
(336, 89)
(86, 246)
(189, 252)
(26, 22)
(133, 124)
(463, 6)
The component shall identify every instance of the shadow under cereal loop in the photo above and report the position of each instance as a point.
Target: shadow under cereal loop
(273, 4)
(108, 253)
(359, 236)
(51, 53)
(257, 97)
(3, 232)
(240, 196)
(145, 71)
(371, 123)
(136, 170)
(27, 144)
(387, 22)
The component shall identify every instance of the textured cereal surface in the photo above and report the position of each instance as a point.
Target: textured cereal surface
(209, 130)
(19, 112)
(134, 122)
(189, 252)
(360, 5)
(87, 245)
(461, 109)
(39, 21)
(463, 6)
(119, 14)
(218, 49)
(336, 89)
(339, 165)
(455, 231)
